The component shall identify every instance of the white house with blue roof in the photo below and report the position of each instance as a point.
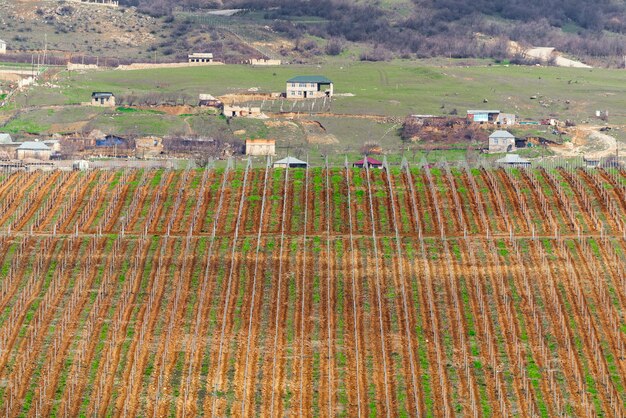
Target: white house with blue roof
(309, 87)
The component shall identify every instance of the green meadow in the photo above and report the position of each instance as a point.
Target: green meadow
(397, 88)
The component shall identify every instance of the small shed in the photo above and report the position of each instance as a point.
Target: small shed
(290, 162)
(591, 162)
(260, 147)
(369, 161)
(3, 47)
(34, 149)
(80, 165)
(103, 99)
(501, 141)
(513, 160)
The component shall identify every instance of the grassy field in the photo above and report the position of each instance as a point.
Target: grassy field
(396, 88)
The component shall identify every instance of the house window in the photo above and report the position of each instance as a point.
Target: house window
(302, 84)
(293, 84)
(299, 93)
(495, 141)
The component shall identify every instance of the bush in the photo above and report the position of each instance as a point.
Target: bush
(334, 47)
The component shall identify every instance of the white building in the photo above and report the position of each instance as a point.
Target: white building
(309, 86)
(201, 57)
(3, 47)
(501, 141)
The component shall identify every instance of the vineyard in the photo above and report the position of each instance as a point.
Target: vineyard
(408, 291)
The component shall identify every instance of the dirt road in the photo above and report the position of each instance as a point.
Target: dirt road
(590, 142)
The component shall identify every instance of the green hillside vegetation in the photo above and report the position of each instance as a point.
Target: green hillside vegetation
(396, 88)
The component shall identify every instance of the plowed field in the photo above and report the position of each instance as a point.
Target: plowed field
(409, 291)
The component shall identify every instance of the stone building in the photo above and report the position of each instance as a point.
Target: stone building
(102, 99)
(501, 141)
(260, 147)
(34, 149)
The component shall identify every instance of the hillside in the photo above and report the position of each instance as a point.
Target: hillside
(268, 292)
(424, 28)
(307, 31)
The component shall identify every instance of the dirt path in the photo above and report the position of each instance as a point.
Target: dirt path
(547, 53)
(589, 142)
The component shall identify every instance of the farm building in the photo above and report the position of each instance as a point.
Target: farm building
(3, 47)
(369, 161)
(290, 162)
(501, 141)
(199, 57)
(260, 147)
(483, 116)
(35, 150)
(309, 86)
(491, 116)
(514, 160)
(103, 99)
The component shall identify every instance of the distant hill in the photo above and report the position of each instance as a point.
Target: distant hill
(590, 30)
(306, 30)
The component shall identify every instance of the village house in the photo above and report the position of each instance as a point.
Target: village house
(34, 149)
(200, 57)
(501, 141)
(308, 87)
(260, 147)
(3, 47)
(290, 162)
(102, 99)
